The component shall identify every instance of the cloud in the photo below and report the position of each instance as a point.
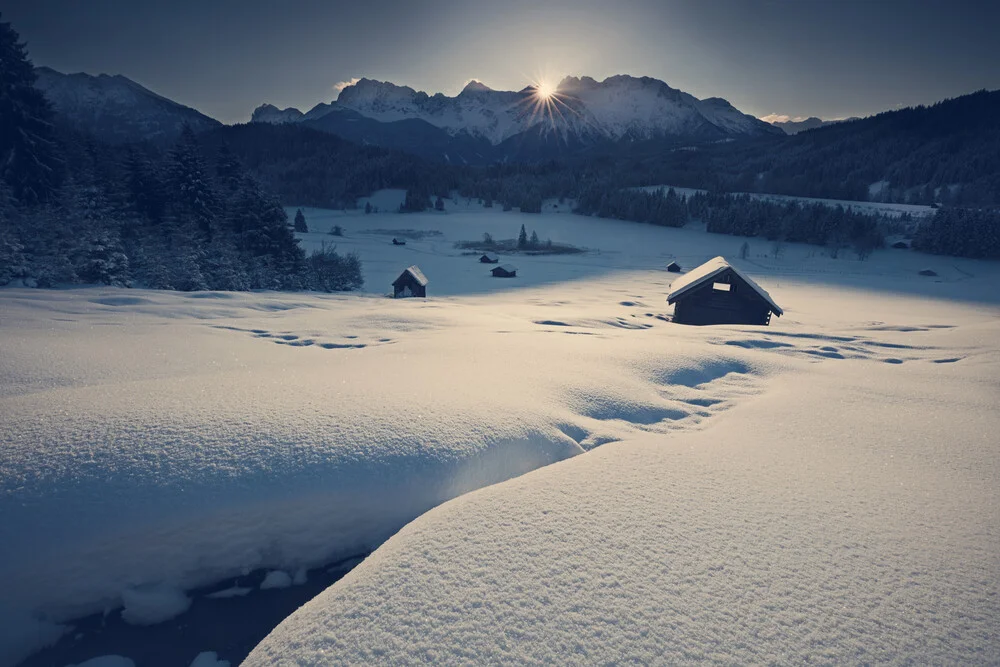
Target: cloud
(340, 85)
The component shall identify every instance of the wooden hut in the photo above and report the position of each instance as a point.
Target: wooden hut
(901, 245)
(674, 267)
(718, 293)
(411, 282)
(505, 271)
(928, 272)
(396, 241)
(489, 258)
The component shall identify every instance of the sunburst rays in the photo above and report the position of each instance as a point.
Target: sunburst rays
(546, 103)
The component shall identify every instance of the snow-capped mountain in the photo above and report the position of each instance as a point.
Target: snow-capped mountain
(583, 111)
(117, 109)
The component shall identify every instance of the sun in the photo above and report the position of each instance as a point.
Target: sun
(545, 90)
(545, 102)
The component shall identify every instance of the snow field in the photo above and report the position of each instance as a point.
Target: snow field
(847, 515)
(158, 441)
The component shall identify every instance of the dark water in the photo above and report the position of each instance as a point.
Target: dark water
(229, 626)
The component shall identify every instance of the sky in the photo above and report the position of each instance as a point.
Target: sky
(773, 58)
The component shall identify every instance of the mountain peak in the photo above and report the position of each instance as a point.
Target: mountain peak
(116, 109)
(475, 86)
(268, 113)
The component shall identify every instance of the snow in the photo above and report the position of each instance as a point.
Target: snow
(109, 661)
(209, 659)
(148, 605)
(276, 579)
(231, 592)
(417, 274)
(890, 209)
(708, 270)
(618, 107)
(837, 464)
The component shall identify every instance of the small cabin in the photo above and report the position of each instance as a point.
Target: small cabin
(505, 271)
(489, 258)
(674, 267)
(411, 282)
(901, 245)
(928, 272)
(719, 293)
(396, 241)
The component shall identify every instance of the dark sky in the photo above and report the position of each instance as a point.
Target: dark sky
(829, 58)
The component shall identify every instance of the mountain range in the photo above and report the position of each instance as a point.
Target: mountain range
(477, 126)
(480, 124)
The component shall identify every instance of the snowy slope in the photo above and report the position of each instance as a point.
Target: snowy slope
(117, 109)
(846, 515)
(155, 441)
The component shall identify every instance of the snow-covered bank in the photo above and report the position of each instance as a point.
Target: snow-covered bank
(847, 515)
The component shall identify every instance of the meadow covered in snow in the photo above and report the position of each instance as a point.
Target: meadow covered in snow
(822, 489)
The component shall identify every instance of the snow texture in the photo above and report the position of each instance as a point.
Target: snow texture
(209, 659)
(148, 605)
(737, 493)
(107, 661)
(276, 579)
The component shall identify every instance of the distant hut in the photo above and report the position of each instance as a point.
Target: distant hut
(411, 282)
(396, 241)
(505, 271)
(718, 293)
(901, 245)
(928, 272)
(674, 267)
(489, 258)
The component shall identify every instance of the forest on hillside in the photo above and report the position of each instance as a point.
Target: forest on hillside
(76, 210)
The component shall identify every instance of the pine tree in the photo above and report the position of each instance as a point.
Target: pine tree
(31, 161)
(228, 170)
(522, 238)
(143, 187)
(368, 208)
(534, 242)
(300, 222)
(192, 194)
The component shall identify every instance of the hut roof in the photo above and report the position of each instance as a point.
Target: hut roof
(509, 268)
(707, 271)
(490, 256)
(417, 274)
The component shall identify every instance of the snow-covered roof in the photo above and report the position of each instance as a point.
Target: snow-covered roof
(509, 268)
(709, 270)
(490, 255)
(417, 274)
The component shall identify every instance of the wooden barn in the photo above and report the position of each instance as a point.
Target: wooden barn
(674, 267)
(718, 293)
(489, 258)
(411, 282)
(505, 271)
